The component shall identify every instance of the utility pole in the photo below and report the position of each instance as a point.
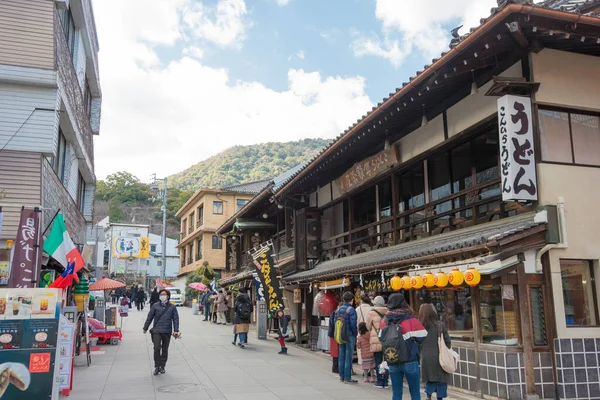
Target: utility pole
(163, 208)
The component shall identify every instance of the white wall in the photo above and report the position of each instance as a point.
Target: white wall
(421, 139)
(568, 79)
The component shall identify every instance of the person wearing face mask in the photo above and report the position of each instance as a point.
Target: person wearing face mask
(166, 321)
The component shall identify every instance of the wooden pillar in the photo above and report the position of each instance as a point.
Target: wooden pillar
(395, 196)
(525, 319)
(476, 313)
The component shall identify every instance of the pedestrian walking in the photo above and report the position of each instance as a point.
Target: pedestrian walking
(133, 294)
(113, 296)
(154, 296)
(363, 344)
(221, 305)
(400, 313)
(213, 309)
(374, 326)
(140, 297)
(204, 303)
(166, 321)
(362, 312)
(346, 315)
(243, 316)
(230, 306)
(435, 378)
(235, 336)
(282, 330)
(124, 306)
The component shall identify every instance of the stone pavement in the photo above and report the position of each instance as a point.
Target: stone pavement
(204, 365)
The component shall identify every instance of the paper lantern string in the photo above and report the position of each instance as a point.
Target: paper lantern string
(382, 278)
(361, 281)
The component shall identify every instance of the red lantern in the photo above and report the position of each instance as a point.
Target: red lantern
(327, 304)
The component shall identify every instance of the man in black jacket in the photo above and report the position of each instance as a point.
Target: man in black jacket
(166, 320)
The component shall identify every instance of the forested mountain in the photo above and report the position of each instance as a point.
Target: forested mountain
(240, 164)
(126, 199)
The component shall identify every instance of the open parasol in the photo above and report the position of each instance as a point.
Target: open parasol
(197, 286)
(106, 284)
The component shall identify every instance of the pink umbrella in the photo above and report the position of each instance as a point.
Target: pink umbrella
(197, 286)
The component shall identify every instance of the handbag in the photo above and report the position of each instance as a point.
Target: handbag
(448, 361)
(156, 320)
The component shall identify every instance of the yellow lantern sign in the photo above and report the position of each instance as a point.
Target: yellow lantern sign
(441, 279)
(416, 282)
(428, 280)
(472, 277)
(406, 284)
(455, 277)
(396, 283)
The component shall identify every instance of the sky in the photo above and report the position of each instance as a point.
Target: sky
(185, 79)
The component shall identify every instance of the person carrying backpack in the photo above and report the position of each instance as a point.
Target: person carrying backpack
(374, 326)
(345, 333)
(401, 352)
(243, 316)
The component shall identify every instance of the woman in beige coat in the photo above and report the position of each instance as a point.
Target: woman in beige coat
(373, 325)
(362, 312)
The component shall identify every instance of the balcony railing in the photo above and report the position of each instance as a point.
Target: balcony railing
(476, 205)
(191, 229)
(200, 222)
(190, 260)
(198, 256)
(182, 263)
(182, 235)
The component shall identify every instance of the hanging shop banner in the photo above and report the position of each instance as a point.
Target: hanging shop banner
(28, 342)
(233, 251)
(130, 246)
(367, 169)
(517, 156)
(26, 261)
(374, 284)
(260, 290)
(269, 277)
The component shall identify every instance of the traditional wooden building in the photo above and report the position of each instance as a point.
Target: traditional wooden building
(486, 161)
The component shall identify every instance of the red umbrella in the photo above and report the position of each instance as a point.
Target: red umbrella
(197, 286)
(106, 284)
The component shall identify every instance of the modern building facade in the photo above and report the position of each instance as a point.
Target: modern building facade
(154, 262)
(485, 162)
(200, 217)
(127, 251)
(50, 100)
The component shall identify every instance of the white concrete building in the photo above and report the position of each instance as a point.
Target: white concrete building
(154, 263)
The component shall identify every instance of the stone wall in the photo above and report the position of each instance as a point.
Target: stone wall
(55, 197)
(577, 363)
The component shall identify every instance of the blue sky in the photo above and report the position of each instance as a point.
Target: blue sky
(185, 79)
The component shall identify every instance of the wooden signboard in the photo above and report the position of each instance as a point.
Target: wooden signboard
(365, 170)
(297, 296)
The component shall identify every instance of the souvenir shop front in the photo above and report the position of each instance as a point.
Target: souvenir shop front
(483, 283)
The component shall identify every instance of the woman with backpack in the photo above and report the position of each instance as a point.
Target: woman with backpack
(374, 326)
(413, 333)
(243, 316)
(435, 378)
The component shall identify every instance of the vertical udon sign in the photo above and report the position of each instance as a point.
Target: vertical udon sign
(517, 157)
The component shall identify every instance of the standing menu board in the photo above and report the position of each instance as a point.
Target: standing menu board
(66, 353)
(28, 341)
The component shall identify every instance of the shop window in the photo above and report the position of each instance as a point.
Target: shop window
(365, 208)
(586, 139)
(579, 292)
(385, 198)
(568, 137)
(412, 195)
(499, 322)
(462, 178)
(439, 187)
(455, 308)
(538, 320)
(555, 137)
(486, 153)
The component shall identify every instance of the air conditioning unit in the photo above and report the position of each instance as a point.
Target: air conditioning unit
(312, 237)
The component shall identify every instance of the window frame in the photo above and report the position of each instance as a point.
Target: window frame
(217, 242)
(81, 187)
(237, 204)
(594, 305)
(568, 111)
(215, 205)
(60, 163)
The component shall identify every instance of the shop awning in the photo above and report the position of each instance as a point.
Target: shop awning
(242, 276)
(468, 239)
(245, 224)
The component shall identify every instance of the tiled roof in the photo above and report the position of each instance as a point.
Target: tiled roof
(559, 5)
(478, 235)
(236, 278)
(250, 187)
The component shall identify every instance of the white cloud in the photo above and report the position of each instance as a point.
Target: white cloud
(422, 24)
(282, 3)
(389, 49)
(299, 55)
(164, 116)
(224, 25)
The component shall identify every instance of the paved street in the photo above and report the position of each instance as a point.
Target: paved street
(204, 365)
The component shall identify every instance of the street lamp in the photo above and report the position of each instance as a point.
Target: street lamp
(163, 208)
